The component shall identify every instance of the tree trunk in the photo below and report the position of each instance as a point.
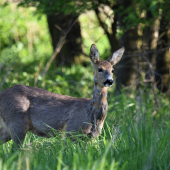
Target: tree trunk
(127, 67)
(150, 43)
(126, 70)
(163, 57)
(58, 24)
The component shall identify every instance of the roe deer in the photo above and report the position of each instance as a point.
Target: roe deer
(24, 108)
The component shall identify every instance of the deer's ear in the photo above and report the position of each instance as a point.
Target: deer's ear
(117, 55)
(94, 53)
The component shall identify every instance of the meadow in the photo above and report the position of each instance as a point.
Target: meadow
(136, 133)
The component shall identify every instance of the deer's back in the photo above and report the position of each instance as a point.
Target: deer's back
(43, 110)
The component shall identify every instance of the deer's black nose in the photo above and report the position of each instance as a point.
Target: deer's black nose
(108, 82)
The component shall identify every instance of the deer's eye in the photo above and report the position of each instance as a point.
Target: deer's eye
(112, 71)
(100, 70)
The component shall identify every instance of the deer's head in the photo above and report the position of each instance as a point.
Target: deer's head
(104, 68)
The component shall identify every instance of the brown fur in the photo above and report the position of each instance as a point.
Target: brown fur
(24, 108)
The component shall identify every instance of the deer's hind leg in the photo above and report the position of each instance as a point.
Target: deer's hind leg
(12, 130)
(4, 135)
(4, 132)
(18, 130)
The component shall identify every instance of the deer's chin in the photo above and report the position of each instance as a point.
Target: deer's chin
(107, 85)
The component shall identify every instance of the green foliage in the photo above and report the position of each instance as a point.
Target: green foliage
(20, 35)
(24, 40)
(135, 12)
(132, 13)
(64, 6)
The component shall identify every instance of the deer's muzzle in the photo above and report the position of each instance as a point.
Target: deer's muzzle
(108, 82)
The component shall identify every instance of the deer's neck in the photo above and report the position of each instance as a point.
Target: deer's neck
(98, 109)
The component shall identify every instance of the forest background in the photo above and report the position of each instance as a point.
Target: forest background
(46, 44)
